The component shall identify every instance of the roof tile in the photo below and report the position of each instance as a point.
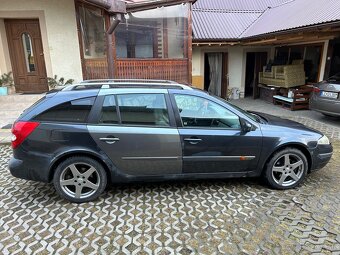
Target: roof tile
(236, 19)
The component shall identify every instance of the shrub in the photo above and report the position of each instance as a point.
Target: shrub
(55, 82)
(6, 80)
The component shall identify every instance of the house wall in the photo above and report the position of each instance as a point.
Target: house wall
(5, 64)
(197, 68)
(236, 68)
(58, 30)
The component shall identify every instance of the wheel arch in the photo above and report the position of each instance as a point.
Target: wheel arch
(79, 153)
(298, 146)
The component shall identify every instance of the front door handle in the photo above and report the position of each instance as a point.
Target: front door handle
(109, 140)
(193, 140)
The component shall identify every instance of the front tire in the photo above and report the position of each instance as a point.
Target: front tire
(80, 179)
(286, 169)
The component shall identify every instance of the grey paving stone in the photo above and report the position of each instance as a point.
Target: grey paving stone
(236, 216)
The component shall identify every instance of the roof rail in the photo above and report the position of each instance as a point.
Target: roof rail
(124, 84)
(129, 80)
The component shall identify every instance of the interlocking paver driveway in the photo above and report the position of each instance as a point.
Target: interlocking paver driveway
(235, 216)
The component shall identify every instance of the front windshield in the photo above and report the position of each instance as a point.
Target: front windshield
(249, 115)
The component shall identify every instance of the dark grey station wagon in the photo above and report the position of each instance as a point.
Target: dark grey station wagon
(116, 131)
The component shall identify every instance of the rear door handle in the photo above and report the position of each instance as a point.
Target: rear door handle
(109, 140)
(193, 140)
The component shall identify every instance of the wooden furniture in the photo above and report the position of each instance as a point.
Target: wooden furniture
(285, 76)
(299, 98)
(267, 93)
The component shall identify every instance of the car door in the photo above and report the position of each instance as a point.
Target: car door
(212, 139)
(137, 131)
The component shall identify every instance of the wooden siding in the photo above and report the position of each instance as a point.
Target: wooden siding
(96, 69)
(166, 69)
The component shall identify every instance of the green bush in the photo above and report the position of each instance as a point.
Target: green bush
(55, 82)
(6, 80)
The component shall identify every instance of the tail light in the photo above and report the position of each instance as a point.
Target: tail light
(21, 130)
(316, 90)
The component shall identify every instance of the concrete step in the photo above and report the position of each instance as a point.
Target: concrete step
(10, 114)
(18, 98)
(12, 106)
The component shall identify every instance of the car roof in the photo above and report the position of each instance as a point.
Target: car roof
(126, 83)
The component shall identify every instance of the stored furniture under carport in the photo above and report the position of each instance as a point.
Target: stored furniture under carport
(299, 98)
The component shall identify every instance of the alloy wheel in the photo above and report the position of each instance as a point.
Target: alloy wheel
(79, 180)
(288, 169)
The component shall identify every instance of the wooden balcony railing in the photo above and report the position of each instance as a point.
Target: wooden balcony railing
(96, 69)
(166, 69)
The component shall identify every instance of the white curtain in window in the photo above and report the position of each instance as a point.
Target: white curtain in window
(215, 64)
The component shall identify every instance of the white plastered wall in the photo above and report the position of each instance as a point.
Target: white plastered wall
(197, 62)
(58, 27)
(5, 64)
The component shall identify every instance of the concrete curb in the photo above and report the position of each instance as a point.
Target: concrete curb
(5, 143)
(5, 136)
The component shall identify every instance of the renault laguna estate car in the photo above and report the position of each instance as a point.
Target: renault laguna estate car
(101, 132)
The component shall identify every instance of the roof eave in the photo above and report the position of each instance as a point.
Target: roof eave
(292, 30)
(133, 7)
(111, 6)
(215, 42)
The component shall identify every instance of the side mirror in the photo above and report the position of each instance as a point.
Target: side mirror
(246, 126)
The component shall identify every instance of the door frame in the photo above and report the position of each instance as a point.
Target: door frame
(260, 61)
(39, 57)
(225, 75)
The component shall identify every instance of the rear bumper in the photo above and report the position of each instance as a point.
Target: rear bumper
(321, 156)
(326, 106)
(29, 169)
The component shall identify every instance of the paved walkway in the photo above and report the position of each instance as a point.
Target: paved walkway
(193, 217)
(266, 107)
(235, 216)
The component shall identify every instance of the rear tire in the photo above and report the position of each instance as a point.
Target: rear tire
(286, 169)
(80, 179)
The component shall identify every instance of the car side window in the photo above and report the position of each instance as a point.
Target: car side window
(108, 114)
(200, 112)
(143, 109)
(75, 111)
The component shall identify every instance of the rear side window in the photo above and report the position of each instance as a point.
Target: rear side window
(73, 111)
(143, 109)
(108, 114)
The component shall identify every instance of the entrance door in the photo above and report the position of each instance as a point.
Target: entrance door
(27, 55)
